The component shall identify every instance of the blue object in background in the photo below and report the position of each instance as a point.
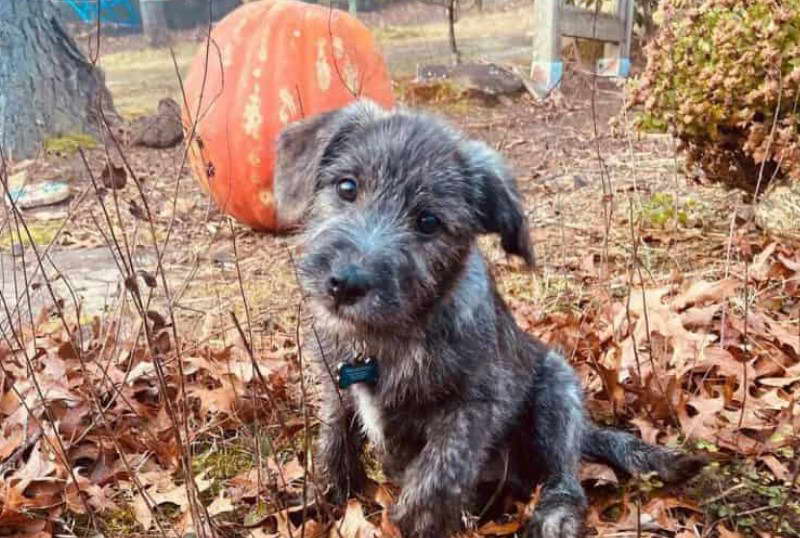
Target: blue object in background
(117, 12)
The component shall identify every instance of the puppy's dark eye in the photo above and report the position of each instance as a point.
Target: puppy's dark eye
(347, 189)
(428, 223)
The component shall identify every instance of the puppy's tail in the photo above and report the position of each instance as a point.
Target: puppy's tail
(630, 455)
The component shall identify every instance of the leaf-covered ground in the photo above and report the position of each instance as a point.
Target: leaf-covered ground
(186, 409)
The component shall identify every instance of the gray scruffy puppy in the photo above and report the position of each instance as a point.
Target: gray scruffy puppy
(437, 375)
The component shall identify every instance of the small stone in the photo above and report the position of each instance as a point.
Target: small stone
(579, 182)
(39, 194)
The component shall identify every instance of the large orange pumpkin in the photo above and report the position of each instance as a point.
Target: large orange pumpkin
(271, 63)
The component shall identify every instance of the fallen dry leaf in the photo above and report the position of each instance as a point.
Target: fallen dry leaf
(141, 506)
(354, 524)
(221, 504)
(499, 529)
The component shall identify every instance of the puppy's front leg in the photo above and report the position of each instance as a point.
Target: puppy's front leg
(339, 445)
(559, 426)
(440, 480)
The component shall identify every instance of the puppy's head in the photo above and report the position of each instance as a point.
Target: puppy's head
(393, 202)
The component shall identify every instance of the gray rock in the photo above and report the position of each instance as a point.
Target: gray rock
(162, 130)
(778, 211)
(39, 194)
(91, 274)
(489, 79)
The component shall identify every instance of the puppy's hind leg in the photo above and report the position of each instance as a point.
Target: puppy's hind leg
(558, 432)
(630, 455)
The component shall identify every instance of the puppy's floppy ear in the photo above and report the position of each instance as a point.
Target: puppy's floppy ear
(497, 199)
(300, 150)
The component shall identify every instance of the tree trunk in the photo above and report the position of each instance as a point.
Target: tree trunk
(154, 21)
(352, 7)
(47, 86)
(451, 20)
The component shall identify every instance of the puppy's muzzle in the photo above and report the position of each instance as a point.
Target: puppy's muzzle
(348, 284)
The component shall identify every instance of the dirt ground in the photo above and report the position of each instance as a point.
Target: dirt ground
(615, 219)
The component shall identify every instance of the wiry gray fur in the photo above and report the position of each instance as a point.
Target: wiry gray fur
(465, 399)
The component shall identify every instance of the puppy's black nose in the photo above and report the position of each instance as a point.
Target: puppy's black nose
(348, 285)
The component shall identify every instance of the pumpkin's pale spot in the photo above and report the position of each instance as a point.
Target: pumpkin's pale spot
(257, 72)
(252, 114)
(351, 78)
(254, 158)
(227, 55)
(263, 46)
(338, 47)
(288, 108)
(323, 67)
(266, 197)
(296, 33)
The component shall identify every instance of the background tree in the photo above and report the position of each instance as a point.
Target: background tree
(154, 22)
(47, 86)
(452, 10)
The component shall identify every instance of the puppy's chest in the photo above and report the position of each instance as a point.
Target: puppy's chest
(371, 414)
(386, 426)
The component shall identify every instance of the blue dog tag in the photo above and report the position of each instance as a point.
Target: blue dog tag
(358, 372)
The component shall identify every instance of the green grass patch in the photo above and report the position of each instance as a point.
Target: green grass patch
(121, 522)
(397, 33)
(755, 500)
(224, 461)
(69, 144)
(42, 233)
(662, 209)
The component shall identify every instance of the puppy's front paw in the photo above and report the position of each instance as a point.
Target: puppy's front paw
(344, 484)
(558, 517)
(434, 519)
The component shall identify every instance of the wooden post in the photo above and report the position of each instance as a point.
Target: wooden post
(553, 19)
(625, 45)
(547, 68)
(616, 60)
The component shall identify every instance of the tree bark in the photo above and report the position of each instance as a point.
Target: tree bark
(47, 86)
(154, 21)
